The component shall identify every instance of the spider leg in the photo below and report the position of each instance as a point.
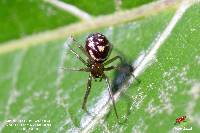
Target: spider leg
(116, 67)
(76, 69)
(87, 92)
(110, 68)
(113, 59)
(135, 78)
(80, 47)
(78, 56)
(111, 95)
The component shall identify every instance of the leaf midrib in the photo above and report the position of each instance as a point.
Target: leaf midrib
(77, 28)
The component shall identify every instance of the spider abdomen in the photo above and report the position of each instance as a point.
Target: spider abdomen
(98, 47)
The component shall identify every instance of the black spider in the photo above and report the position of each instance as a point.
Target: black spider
(97, 50)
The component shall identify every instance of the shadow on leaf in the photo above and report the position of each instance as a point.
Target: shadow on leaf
(121, 77)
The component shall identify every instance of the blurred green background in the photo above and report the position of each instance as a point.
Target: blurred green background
(21, 18)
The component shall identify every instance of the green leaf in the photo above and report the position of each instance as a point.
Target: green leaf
(100, 7)
(127, 4)
(169, 87)
(34, 88)
(22, 18)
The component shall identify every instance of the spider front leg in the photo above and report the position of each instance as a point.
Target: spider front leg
(111, 68)
(111, 95)
(80, 47)
(116, 67)
(87, 92)
(113, 59)
(76, 69)
(79, 57)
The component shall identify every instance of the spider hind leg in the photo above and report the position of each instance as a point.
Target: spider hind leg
(87, 92)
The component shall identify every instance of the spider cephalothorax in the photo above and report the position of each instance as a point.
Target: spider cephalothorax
(97, 69)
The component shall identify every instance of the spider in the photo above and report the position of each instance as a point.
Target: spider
(97, 49)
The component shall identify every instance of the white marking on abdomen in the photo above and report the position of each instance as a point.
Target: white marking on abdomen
(101, 48)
